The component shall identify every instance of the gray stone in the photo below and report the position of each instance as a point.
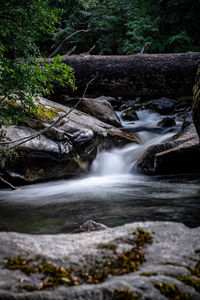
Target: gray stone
(100, 109)
(163, 105)
(129, 114)
(167, 122)
(90, 225)
(173, 253)
(180, 154)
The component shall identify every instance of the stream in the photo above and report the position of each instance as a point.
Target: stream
(113, 193)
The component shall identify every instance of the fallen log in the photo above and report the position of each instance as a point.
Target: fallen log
(151, 75)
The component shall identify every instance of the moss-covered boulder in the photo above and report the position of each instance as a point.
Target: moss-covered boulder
(196, 103)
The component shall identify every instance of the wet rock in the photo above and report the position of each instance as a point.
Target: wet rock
(180, 154)
(64, 150)
(112, 100)
(172, 255)
(196, 103)
(100, 109)
(90, 225)
(187, 120)
(163, 105)
(81, 137)
(129, 114)
(167, 122)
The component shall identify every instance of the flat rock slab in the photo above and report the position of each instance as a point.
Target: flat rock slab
(173, 253)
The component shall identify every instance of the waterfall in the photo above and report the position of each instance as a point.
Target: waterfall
(123, 161)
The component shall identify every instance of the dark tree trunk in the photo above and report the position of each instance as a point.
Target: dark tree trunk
(152, 75)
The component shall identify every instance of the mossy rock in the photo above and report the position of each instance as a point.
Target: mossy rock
(171, 291)
(196, 103)
(122, 294)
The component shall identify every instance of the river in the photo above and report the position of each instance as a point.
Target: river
(113, 193)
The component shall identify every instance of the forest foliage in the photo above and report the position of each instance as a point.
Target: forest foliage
(124, 26)
(33, 28)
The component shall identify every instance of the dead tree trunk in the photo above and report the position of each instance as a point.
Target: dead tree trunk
(151, 75)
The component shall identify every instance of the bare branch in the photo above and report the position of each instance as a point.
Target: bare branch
(71, 51)
(26, 139)
(91, 49)
(7, 183)
(145, 48)
(67, 38)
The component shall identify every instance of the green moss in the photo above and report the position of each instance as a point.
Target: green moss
(148, 274)
(29, 288)
(122, 294)
(20, 263)
(40, 111)
(142, 238)
(43, 112)
(196, 270)
(171, 291)
(56, 275)
(109, 246)
(173, 264)
(123, 263)
(195, 283)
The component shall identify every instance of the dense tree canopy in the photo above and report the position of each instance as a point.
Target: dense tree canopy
(124, 26)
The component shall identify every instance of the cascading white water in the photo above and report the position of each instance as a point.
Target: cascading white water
(122, 161)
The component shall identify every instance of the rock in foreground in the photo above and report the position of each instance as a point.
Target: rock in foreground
(154, 260)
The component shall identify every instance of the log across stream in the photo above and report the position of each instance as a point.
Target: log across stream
(114, 193)
(151, 75)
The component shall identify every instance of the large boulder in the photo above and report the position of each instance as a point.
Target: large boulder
(64, 150)
(98, 108)
(196, 103)
(163, 105)
(180, 154)
(150, 260)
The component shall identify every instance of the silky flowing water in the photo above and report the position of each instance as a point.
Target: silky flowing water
(113, 193)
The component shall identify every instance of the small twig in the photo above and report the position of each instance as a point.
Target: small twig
(91, 49)
(26, 139)
(67, 38)
(145, 48)
(71, 51)
(8, 184)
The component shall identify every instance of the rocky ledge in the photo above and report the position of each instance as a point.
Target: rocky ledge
(179, 154)
(64, 150)
(150, 260)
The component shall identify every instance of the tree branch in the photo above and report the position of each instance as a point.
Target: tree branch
(71, 51)
(7, 183)
(67, 38)
(26, 139)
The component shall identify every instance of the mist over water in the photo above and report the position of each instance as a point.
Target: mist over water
(114, 193)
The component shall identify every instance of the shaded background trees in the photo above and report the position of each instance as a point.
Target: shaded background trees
(124, 26)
